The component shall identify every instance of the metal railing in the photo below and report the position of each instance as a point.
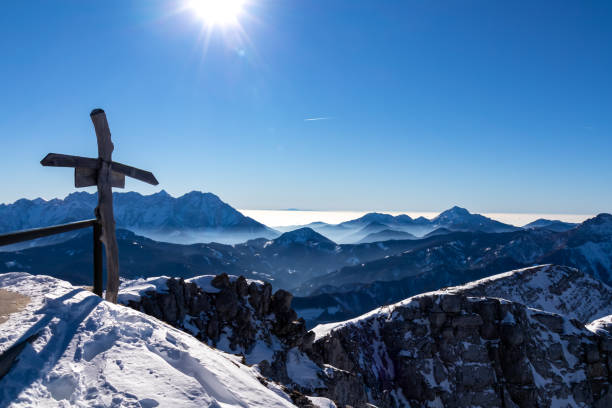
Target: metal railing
(27, 235)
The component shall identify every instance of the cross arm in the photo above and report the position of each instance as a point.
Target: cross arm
(65, 160)
(133, 172)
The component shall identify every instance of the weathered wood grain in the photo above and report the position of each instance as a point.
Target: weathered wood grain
(105, 174)
(135, 173)
(84, 177)
(66, 160)
(104, 211)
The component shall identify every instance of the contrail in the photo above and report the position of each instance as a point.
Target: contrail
(313, 119)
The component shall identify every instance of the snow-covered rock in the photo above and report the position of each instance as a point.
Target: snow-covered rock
(556, 289)
(461, 346)
(603, 325)
(320, 402)
(87, 352)
(450, 349)
(133, 290)
(236, 315)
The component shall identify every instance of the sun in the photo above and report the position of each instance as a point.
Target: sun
(218, 12)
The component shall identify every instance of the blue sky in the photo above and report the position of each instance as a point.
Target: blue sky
(495, 106)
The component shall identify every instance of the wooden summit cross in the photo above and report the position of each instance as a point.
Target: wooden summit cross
(104, 173)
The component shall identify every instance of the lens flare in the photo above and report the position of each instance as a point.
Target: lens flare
(218, 12)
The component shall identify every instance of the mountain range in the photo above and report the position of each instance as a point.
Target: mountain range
(332, 281)
(198, 217)
(453, 259)
(380, 227)
(193, 217)
(337, 281)
(288, 261)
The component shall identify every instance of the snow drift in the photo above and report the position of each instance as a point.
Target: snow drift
(87, 352)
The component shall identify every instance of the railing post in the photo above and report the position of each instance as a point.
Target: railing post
(97, 259)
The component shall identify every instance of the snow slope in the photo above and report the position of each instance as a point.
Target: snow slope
(92, 353)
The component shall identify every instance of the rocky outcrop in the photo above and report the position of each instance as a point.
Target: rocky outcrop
(232, 314)
(452, 350)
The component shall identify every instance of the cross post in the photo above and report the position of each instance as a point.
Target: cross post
(104, 173)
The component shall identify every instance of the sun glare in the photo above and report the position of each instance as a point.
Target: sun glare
(218, 12)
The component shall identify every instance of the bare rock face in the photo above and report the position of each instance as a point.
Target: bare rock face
(452, 350)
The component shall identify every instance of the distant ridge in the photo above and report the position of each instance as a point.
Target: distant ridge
(553, 225)
(453, 219)
(304, 235)
(438, 231)
(460, 219)
(386, 235)
(453, 259)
